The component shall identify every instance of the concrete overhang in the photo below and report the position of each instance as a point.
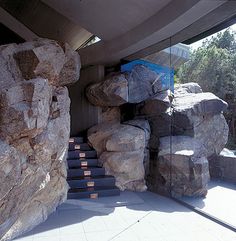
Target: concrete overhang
(128, 29)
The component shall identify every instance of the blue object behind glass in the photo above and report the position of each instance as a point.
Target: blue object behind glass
(166, 74)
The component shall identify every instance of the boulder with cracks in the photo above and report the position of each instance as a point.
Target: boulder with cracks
(34, 131)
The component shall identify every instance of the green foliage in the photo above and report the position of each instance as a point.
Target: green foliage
(213, 65)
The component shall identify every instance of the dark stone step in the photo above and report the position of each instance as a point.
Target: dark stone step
(76, 140)
(82, 163)
(99, 181)
(92, 192)
(81, 154)
(84, 171)
(81, 147)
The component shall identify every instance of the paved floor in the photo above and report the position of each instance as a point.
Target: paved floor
(219, 202)
(130, 217)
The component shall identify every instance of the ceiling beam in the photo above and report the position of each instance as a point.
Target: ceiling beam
(16, 26)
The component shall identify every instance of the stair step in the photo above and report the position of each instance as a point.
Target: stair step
(81, 147)
(81, 154)
(76, 140)
(84, 171)
(84, 182)
(92, 192)
(82, 163)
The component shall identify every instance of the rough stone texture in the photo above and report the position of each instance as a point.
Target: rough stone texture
(182, 166)
(121, 150)
(199, 104)
(110, 114)
(34, 131)
(157, 104)
(131, 87)
(111, 92)
(186, 88)
(195, 115)
(199, 115)
(223, 166)
(157, 111)
(127, 167)
(143, 84)
(144, 125)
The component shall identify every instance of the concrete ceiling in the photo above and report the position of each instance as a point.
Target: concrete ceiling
(128, 29)
(37, 19)
(108, 19)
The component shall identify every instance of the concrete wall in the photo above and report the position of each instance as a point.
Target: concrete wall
(83, 114)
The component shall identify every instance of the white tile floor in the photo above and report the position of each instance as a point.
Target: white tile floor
(145, 217)
(219, 202)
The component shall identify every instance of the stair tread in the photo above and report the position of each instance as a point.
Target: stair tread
(90, 178)
(85, 168)
(91, 189)
(82, 151)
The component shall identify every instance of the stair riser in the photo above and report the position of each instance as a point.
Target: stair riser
(84, 172)
(87, 194)
(105, 182)
(81, 154)
(82, 163)
(76, 140)
(81, 147)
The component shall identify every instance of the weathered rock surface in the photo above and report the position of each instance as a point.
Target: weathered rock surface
(223, 166)
(130, 87)
(44, 58)
(157, 104)
(194, 115)
(182, 166)
(110, 114)
(121, 149)
(34, 131)
(144, 125)
(143, 84)
(186, 88)
(199, 104)
(127, 167)
(112, 92)
(199, 115)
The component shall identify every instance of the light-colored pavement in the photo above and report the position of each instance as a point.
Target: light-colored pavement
(220, 201)
(130, 217)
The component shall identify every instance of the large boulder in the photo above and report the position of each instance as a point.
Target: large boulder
(130, 87)
(143, 84)
(44, 58)
(198, 129)
(111, 92)
(223, 166)
(121, 149)
(34, 131)
(200, 116)
(191, 87)
(199, 104)
(127, 167)
(144, 125)
(182, 167)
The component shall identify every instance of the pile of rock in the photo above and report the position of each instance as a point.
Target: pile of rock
(186, 129)
(34, 131)
(198, 130)
(122, 149)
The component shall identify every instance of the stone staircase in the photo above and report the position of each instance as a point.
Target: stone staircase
(84, 175)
